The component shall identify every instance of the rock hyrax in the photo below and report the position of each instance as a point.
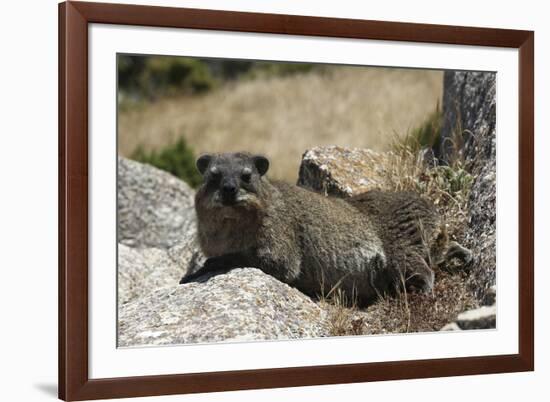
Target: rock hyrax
(367, 246)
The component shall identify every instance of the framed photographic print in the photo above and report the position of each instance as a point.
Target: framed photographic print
(259, 200)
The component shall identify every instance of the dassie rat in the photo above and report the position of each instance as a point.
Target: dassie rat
(368, 245)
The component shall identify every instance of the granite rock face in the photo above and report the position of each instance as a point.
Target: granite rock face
(156, 230)
(241, 305)
(155, 209)
(469, 108)
(142, 270)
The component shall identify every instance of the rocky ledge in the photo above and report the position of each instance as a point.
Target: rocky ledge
(243, 304)
(342, 171)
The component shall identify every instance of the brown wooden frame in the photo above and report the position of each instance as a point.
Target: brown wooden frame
(74, 17)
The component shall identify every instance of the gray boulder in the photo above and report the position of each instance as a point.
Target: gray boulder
(155, 209)
(481, 318)
(484, 317)
(469, 108)
(241, 305)
(156, 230)
(141, 271)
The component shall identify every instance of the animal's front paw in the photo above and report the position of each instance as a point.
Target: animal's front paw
(185, 279)
(198, 276)
(210, 268)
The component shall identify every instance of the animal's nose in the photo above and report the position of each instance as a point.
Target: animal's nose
(229, 188)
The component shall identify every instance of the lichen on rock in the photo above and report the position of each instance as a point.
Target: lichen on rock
(154, 208)
(343, 171)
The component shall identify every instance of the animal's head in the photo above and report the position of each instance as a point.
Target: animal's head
(231, 179)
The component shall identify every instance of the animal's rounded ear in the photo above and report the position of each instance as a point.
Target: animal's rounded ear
(261, 163)
(202, 162)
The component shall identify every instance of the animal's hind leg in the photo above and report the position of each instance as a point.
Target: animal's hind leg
(419, 276)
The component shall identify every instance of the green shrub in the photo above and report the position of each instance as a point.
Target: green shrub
(145, 77)
(270, 69)
(129, 70)
(226, 69)
(177, 159)
(169, 75)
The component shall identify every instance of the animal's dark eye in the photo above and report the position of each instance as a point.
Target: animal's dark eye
(246, 177)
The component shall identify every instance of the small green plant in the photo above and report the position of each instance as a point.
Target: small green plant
(453, 179)
(177, 159)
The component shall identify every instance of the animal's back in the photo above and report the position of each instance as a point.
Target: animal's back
(335, 243)
(411, 229)
(403, 216)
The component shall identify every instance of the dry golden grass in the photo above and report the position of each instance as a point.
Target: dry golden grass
(403, 313)
(342, 315)
(282, 117)
(419, 312)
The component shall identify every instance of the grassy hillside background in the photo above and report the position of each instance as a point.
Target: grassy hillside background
(172, 109)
